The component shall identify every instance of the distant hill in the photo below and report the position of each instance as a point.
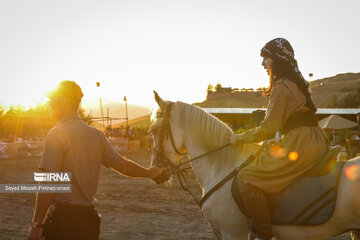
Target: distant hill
(235, 100)
(142, 122)
(246, 101)
(322, 91)
(116, 110)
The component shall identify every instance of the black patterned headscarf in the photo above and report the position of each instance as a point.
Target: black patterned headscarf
(281, 50)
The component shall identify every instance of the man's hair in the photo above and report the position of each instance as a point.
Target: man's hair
(68, 90)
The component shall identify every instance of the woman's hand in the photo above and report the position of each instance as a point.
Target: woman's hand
(237, 138)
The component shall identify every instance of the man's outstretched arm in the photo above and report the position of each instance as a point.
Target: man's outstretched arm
(112, 159)
(129, 168)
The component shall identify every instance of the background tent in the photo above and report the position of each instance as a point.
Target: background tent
(334, 122)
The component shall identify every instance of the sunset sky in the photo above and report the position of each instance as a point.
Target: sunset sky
(174, 47)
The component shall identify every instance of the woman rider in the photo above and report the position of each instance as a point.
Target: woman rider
(291, 112)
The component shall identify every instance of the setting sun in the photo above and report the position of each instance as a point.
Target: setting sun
(27, 95)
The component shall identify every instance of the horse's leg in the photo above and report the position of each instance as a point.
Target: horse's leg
(224, 216)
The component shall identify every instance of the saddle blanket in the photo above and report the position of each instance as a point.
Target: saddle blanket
(309, 201)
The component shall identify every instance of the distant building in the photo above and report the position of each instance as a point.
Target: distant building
(228, 92)
(249, 117)
(234, 94)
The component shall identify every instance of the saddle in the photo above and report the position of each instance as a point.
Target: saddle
(324, 165)
(308, 201)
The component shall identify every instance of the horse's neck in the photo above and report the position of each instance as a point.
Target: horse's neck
(207, 169)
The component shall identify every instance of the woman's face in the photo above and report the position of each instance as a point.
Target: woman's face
(267, 64)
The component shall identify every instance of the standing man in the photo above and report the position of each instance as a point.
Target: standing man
(73, 146)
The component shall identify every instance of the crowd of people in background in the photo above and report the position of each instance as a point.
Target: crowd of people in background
(132, 133)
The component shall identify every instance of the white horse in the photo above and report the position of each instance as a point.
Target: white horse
(196, 132)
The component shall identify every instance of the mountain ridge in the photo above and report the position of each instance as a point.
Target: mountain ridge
(322, 90)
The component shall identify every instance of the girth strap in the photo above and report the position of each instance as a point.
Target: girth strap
(226, 179)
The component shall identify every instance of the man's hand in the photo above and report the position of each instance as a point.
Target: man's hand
(35, 234)
(159, 175)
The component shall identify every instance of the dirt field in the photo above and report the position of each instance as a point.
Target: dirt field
(131, 209)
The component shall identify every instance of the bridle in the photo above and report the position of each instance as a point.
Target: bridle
(162, 161)
(165, 133)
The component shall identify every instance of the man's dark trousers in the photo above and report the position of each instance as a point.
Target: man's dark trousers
(68, 222)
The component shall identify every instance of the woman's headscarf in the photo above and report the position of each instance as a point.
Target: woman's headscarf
(281, 50)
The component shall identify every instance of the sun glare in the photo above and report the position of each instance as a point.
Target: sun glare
(28, 95)
(23, 102)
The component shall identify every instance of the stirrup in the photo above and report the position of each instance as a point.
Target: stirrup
(252, 236)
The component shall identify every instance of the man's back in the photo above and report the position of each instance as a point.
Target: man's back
(73, 146)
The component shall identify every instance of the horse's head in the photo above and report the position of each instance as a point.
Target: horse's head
(167, 136)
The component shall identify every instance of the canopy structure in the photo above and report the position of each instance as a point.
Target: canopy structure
(334, 122)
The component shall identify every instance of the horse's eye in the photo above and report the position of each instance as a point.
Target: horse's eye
(159, 114)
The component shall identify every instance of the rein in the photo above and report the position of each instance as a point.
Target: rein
(202, 155)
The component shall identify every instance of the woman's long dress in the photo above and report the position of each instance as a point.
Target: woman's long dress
(283, 161)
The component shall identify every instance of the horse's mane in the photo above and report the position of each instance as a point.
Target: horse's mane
(210, 132)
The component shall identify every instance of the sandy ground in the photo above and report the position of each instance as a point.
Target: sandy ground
(131, 208)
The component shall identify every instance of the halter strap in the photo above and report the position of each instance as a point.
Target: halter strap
(168, 127)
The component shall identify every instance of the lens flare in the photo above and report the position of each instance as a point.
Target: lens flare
(293, 156)
(277, 151)
(332, 165)
(353, 172)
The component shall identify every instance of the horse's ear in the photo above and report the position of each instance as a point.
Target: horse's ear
(160, 101)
